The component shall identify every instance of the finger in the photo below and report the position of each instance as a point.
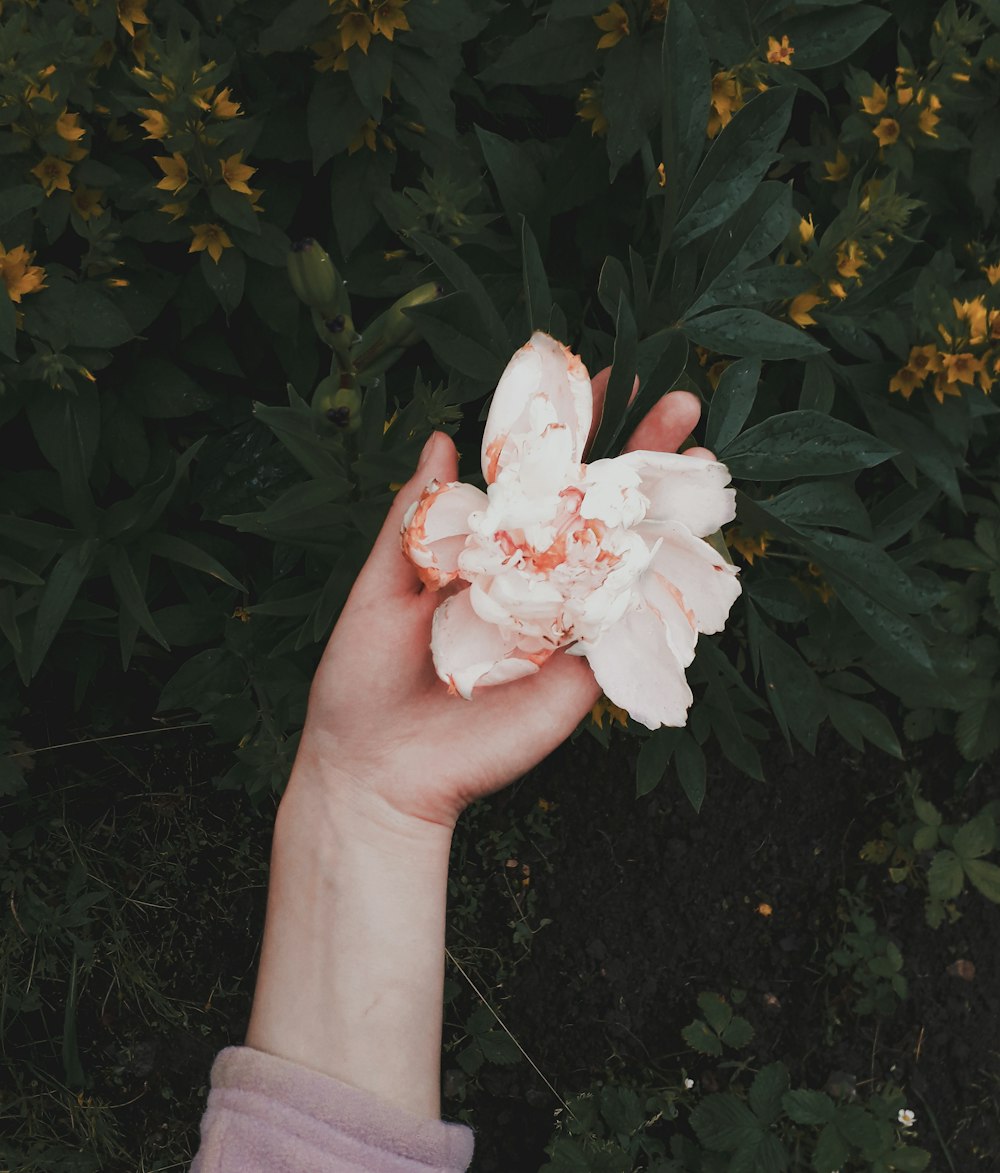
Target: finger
(387, 569)
(667, 425)
(702, 453)
(599, 385)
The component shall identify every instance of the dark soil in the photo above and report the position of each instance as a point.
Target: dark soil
(652, 904)
(649, 904)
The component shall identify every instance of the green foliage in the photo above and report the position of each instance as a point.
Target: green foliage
(720, 1027)
(872, 962)
(750, 199)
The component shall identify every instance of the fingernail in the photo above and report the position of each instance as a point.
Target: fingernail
(425, 452)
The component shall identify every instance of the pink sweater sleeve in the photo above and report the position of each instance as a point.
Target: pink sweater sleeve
(266, 1113)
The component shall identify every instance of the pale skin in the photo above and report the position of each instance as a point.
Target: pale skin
(351, 974)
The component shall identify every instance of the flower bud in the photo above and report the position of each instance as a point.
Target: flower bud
(314, 278)
(392, 330)
(338, 332)
(335, 408)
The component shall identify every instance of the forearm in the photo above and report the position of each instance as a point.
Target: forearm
(352, 964)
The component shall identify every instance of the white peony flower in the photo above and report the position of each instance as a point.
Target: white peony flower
(605, 559)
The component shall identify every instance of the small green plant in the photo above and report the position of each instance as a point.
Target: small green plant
(720, 1026)
(873, 961)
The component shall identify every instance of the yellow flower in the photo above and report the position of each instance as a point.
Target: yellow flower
(943, 387)
(779, 53)
(992, 273)
(751, 546)
(364, 138)
(661, 175)
(20, 276)
(798, 309)
(838, 169)
(156, 125)
(924, 360)
(927, 121)
(174, 210)
(905, 380)
(875, 102)
(614, 24)
(850, 258)
(887, 131)
(961, 368)
(131, 13)
(116, 282)
(807, 229)
(355, 29)
(904, 95)
(202, 98)
(236, 173)
(388, 16)
(330, 56)
(175, 172)
(589, 109)
(87, 201)
(45, 94)
(973, 312)
(837, 289)
(223, 106)
(212, 237)
(53, 174)
(727, 98)
(604, 706)
(68, 128)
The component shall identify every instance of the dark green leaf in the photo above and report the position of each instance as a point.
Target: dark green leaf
(225, 277)
(453, 328)
(518, 182)
(699, 1037)
(631, 96)
(945, 878)
(818, 390)
(802, 443)
(718, 1013)
(828, 36)
(159, 390)
(736, 162)
(16, 200)
(293, 26)
(724, 1123)
(887, 628)
(975, 838)
(732, 402)
(762, 286)
(806, 1107)
(334, 116)
(820, 503)
(370, 74)
(234, 207)
(750, 234)
(749, 333)
(738, 1033)
(766, 1091)
(977, 731)
(985, 876)
(13, 571)
(187, 554)
(131, 595)
(609, 437)
(858, 1126)
(653, 758)
(550, 52)
(613, 284)
(537, 295)
(931, 454)
(8, 327)
(857, 722)
(792, 687)
(62, 587)
(465, 280)
(686, 92)
(691, 770)
(832, 1152)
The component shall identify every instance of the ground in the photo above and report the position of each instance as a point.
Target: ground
(647, 905)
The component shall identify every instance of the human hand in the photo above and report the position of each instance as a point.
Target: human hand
(381, 727)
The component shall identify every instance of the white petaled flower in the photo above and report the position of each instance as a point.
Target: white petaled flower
(689, 1083)
(604, 559)
(906, 1117)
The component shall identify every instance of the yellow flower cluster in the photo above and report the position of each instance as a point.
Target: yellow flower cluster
(751, 546)
(903, 111)
(975, 329)
(614, 23)
(603, 708)
(19, 275)
(358, 21)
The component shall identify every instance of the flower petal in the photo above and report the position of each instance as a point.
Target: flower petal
(637, 669)
(468, 652)
(435, 528)
(686, 489)
(542, 367)
(708, 584)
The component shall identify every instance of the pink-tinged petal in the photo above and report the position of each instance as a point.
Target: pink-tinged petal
(685, 489)
(543, 367)
(435, 529)
(468, 652)
(680, 623)
(708, 584)
(634, 664)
